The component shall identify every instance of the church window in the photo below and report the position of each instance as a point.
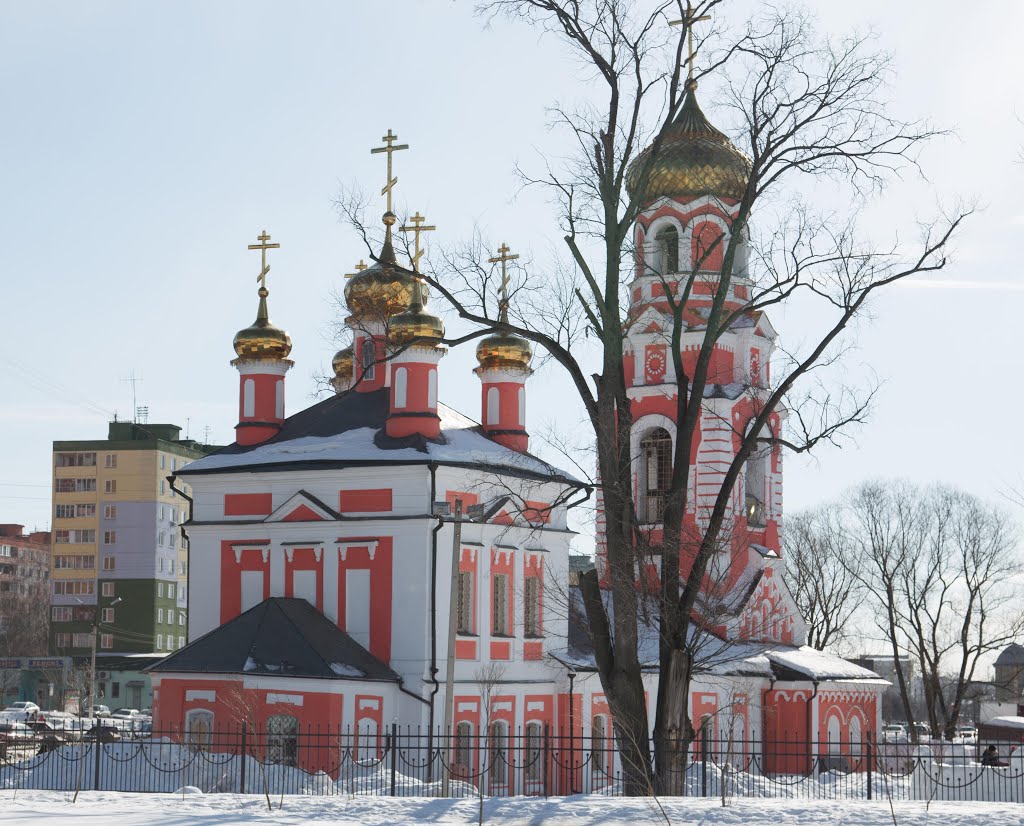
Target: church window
(249, 398)
(368, 739)
(492, 405)
(499, 607)
(522, 407)
(463, 747)
(199, 726)
(855, 735)
(531, 607)
(599, 742)
(432, 389)
(498, 753)
(369, 359)
(534, 756)
(755, 478)
(666, 257)
(279, 400)
(655, 476)
(833, 734)
(282, 739)
(401, 386)
(465, 602)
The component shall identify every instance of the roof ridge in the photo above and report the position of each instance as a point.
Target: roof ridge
(298, 630)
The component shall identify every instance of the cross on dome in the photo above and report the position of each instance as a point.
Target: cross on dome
(263, 246)
(688, 20)
(416, 228)
(390, 148)
(503, 257)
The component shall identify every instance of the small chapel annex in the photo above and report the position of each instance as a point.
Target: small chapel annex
(321, 542)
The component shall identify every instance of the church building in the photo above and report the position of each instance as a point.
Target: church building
(331, 549)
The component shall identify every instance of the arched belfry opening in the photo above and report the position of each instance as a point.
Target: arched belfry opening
(755, 480)
(666, 251)
(655, 475)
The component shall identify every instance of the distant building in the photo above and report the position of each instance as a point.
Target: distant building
(24, 560)
(884, 665)
(117, 545)
(1008, 686)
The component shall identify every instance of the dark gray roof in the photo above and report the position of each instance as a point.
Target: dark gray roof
(279, 637)
(1012, 655)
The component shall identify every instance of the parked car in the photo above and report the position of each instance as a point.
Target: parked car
(101, 711)
(105, 733)
(893, 733)
(968, 734)
(46, 735)
(14, 735)
(922, 730)
(125, 712)
(21, 711)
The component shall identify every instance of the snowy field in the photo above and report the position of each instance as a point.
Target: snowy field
(102, 808)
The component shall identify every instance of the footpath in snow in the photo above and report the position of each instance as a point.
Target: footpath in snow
(123, 809)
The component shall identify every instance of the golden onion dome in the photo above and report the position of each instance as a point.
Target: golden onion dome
(694, 158)
(415, 322)
(382, 290)
(261, 339)
(342, 363)
(504, 350)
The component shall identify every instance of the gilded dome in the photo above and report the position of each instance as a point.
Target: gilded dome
(342, 363)
(261, 339)
(504, 350)
(382, 290)
(694, 158)
(415, 322)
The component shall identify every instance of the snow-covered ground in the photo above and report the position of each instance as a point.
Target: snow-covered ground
(102, 808)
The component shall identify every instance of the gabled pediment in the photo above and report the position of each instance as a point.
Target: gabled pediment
(769, 612)
(303, 507)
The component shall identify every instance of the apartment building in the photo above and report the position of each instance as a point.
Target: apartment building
(24, 560)
(119, 562)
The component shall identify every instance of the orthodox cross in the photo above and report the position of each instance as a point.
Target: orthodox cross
(358, 269)
(416, 228)
(263, 246)
(389, 147)
(503, 257)
(689, 20)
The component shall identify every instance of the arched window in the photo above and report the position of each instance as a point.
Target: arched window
(282, 739)
(497, 748)
(522, 407)
(401, 383)
(655, 474)
(367, 739)
(199, 726)
(833, 734)
(463, 748)
(369, 359)
(279, 400)
(493, 416)
(599, 743)
(856, 733)
(248, 398)
(666, 256)
(533, 759)
(756, 476)
(432, 389)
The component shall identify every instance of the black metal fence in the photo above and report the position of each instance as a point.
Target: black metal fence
(405, 762)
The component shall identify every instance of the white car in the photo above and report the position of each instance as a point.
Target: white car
(893, 733)
(126, 713)
(21, 711)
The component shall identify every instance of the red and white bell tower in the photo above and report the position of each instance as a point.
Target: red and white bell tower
(262, 361)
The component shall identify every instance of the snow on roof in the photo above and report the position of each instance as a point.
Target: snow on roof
(1006, 722)
(818, 665)
(348, 429)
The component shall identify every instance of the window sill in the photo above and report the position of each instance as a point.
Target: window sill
(533, 638)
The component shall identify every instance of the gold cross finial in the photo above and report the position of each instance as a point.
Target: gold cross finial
(389, 147)
(689, 20)
(503, 257)
(358, 269)
(416, 228)
(263, 246)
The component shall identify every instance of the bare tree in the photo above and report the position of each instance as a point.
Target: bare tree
(24, 623)
(941, 569)
(806, 108)
(822, 569)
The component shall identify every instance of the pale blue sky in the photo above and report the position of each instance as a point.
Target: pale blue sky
(145, 144)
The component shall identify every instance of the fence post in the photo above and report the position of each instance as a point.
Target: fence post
(241, 779)
(394, 748)
(704, 762)
(96, 760)
(868, 751)
(547, 756)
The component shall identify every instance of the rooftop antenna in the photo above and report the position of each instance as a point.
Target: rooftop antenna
(134, 381)
(206, 434)
(142, 415)
(188, 420)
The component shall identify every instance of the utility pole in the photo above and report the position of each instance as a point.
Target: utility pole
(453, 621)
